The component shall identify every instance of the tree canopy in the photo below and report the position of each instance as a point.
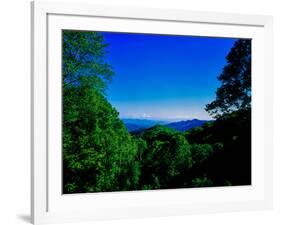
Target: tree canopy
(98, 151)
(99, 154)
(235, 90)
(84, 57)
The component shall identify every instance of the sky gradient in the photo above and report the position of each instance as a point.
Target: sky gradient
(162, 76)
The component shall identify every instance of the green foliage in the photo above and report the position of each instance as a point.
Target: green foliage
(200, 153)
(202, 182)
(230, 134)
(83, 57)
(166, 157)
(98, 150)
(235, 91)
(230, 138)
(99, 154)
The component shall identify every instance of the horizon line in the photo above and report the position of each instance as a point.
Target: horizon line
(165, 119)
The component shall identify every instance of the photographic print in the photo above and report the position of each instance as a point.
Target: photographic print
(154, 111)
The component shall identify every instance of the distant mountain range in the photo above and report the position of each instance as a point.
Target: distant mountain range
(186, 124)
(142, 124)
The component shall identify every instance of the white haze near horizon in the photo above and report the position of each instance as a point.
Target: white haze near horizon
(163, 112)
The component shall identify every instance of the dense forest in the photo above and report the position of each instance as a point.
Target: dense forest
(100, 154)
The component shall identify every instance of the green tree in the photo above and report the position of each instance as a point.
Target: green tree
(84, 57)
(98, 152)
(166, 158)
(235, 91)
(200, 153)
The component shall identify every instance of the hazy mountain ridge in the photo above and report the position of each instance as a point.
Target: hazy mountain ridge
(142, 124)
(186, 124)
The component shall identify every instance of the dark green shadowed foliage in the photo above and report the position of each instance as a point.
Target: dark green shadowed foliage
(100, 155)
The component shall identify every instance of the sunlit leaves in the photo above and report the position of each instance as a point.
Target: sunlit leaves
(99, 154)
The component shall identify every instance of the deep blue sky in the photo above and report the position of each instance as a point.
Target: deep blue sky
(164, 77)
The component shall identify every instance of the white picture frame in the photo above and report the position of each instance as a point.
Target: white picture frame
(48, 205)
